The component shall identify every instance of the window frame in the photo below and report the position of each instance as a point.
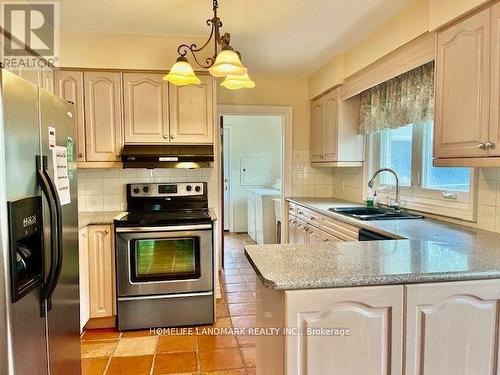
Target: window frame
(448, 203)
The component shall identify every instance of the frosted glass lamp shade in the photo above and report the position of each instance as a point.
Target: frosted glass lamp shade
(182, 74)
(235, 82)
(227, 62)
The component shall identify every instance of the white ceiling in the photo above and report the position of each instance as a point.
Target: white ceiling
(274, 36)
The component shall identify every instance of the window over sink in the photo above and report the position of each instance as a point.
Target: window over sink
(397, 117)
(408, 150)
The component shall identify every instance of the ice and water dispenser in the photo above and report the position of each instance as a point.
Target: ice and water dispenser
(26, 245)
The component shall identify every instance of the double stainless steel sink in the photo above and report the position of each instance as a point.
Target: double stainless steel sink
(373, 213)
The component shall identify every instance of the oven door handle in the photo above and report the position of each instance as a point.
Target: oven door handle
(166, 296)
(162, 229)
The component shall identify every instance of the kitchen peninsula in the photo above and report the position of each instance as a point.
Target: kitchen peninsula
(411, 306)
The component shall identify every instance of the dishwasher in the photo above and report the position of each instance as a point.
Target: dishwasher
(368, 235)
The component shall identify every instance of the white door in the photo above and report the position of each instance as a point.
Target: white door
(227, 180)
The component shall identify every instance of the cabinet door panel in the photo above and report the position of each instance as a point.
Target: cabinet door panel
(291, 229)
(494, 133)
(462, 87)
(330, 127)
(317, 122)
(101, 270)
(314, 236)
(69, 86)
(191, 112)
(103, 116)
(84, 277)
(451, 328)
(374, 344)
(146, 108)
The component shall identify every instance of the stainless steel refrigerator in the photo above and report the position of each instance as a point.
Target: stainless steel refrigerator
(39, 229)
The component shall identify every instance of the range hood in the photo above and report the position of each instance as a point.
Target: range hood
(167, 156)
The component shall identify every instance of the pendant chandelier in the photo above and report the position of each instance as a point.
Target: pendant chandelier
(225, 62)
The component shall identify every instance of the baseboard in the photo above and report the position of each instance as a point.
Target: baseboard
(96, 323)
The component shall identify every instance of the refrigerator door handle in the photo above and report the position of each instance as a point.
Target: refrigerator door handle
(50, 193)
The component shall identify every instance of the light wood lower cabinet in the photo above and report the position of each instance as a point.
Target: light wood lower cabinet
(452, 328)
(373, 316)
(431, 329)
(103, 110)
(101, 271)
(306, 226)
(84, 283)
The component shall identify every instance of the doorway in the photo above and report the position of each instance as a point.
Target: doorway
(256, 153)
(252, 166)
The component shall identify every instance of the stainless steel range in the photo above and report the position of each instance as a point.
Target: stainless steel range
(164, 257)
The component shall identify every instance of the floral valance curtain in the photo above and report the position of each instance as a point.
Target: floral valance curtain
(406, 99)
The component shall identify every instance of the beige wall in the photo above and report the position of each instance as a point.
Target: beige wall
(420, 17)
(120, 51)
(277, 91)
(444, 11)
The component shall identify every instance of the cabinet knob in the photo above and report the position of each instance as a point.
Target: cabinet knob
(106, 231)
(165, 136)
(481, 146)
(172, 136)
(80, 154)
(118, 156)
(489, 145)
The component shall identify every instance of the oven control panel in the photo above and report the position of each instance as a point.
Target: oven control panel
(179, 189)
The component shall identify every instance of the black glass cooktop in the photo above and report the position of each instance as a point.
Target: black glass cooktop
(168, 217)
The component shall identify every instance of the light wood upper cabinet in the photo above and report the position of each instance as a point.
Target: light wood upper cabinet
(146, 108)
(101, 271)
(494, 129)
(317, 123)
(103, 126)
(191, 112)
(84, 276)
(452, 328)
(463, 88)
(42, 76)
(69, 86)
(330, 129)
(334, 131)
(374, 316)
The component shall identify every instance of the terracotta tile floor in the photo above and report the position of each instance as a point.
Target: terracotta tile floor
(110, 352)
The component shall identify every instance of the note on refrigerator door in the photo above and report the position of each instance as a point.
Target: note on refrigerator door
(61, 179)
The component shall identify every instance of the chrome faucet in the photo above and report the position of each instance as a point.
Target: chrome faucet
(395, 204)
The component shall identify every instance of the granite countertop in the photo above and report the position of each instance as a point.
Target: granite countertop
(414, 229)
(347, 264)
(97, 218)
(426, 250)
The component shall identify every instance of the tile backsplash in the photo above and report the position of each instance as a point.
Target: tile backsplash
(488, 199)
(105, 189)
(308, 181)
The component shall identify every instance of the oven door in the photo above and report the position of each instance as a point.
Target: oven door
(163, 260)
